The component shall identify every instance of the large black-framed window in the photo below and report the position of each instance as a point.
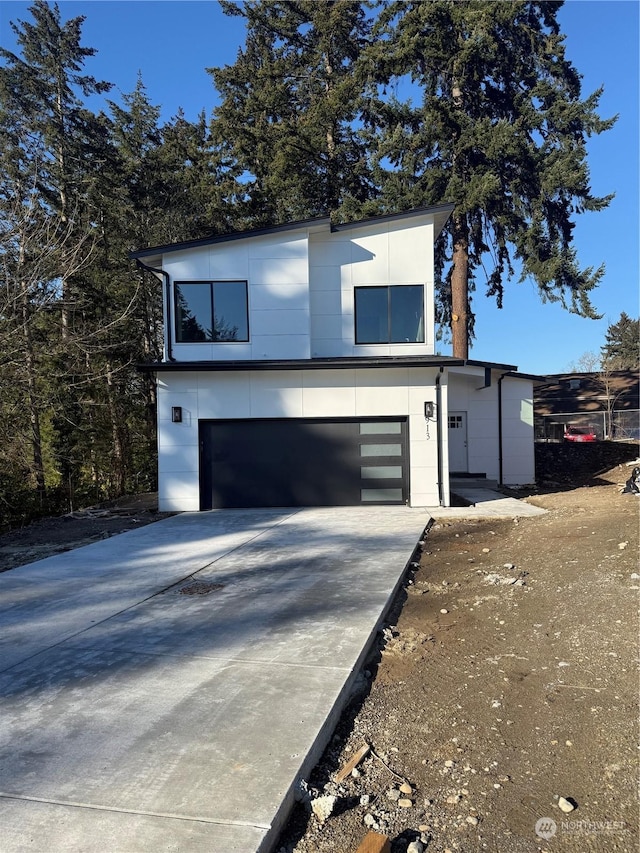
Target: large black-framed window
(209, 311)
(390, 315)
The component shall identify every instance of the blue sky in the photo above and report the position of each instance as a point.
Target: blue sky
(171, 43)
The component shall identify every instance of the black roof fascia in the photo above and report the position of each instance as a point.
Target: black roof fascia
(511, 370)
(390, 217)
(516, 374)
(472, 362)
(303, 364)
(226, 238)
(336, 363)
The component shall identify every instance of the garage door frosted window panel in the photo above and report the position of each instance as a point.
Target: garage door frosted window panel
(381, 495)
(389, 315)
(381, 450)
(381, 472)
(377, 428)
(211, 311)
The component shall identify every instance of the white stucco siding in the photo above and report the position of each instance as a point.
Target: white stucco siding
(178, 458)
(367, 256)
(277, 272)
(466, 394)
(347, 393)
(482, 407)
(423, 439)
(193, 265)
(518, 447)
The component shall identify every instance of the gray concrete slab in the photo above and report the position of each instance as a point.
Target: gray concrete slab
(487, 503)
(30, 826)
(137, 717)
(68, 593)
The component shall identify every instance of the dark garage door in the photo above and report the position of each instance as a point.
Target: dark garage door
(256, 463)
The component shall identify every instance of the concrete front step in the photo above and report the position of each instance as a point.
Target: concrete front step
(472, 483)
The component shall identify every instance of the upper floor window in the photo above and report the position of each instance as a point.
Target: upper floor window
(211, 311)
(390, 315)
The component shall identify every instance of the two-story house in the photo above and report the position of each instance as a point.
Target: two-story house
(299, 370)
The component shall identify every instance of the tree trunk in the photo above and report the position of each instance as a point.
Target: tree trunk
(34, 413)
(460, 288)
(118, 472)
(62, 200)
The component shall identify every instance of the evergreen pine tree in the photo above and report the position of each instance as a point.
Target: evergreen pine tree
(194, 181)
(622, 344)
(287, 125)
(500, 130)
(42, 85)
(52, 148)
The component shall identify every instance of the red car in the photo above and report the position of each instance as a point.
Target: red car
(579, 434)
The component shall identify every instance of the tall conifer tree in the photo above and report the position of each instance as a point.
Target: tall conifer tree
(55, 146)
(196, 181)
(622, 344)
(290, 105)
(500, 128)
(43, 84)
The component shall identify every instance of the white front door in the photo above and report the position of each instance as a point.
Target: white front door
(458, 458)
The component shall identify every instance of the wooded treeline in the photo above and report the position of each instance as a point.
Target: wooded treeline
(340, 107)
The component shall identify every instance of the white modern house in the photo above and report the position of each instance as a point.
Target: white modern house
(299, 370)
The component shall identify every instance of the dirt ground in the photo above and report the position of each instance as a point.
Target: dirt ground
(506, 678)
(56, 535)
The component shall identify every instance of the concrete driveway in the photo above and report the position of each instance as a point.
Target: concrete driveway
(165, 689)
